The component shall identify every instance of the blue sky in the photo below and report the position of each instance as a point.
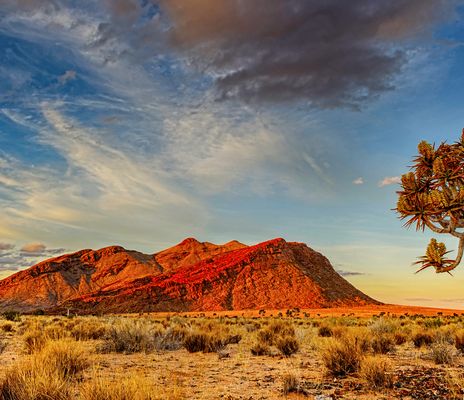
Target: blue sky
(141, 123)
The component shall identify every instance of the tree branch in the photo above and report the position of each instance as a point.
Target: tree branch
(457, 261)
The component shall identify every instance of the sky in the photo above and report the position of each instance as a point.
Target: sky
(143, 122)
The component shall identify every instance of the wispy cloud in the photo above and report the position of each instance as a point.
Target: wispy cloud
(358, 181)
(389, 180)
(350, 273)
(6, 246)
(33, 248)
(69, 75)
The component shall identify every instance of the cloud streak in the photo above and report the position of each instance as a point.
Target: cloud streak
(389, 180)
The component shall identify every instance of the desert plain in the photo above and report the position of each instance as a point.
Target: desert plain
(371, 352)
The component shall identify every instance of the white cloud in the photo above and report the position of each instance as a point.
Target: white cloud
(358, 181)
(389, 180)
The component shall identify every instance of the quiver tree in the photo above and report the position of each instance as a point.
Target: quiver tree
(432, 196)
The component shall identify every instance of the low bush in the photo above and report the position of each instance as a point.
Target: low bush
(421, 339)
(129, 336)
(400, 338)
(260, 349)
(442, 353)
(287, 345)
(34, 340)
(291, 384)
(459, 340)
(375, 371)
(207, 342)
(342, 356)
(325, 331)
(132, 387)
(382, 343)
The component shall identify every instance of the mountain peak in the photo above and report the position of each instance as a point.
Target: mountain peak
(190, 276)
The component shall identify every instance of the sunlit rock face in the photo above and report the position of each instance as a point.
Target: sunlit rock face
(191, 276)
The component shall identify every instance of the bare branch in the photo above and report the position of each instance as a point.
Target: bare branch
(457, 261)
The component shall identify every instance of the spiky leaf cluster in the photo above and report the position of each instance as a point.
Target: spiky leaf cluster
(432, 194)
(434, 257)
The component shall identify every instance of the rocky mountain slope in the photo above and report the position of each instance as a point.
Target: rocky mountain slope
(190, 276)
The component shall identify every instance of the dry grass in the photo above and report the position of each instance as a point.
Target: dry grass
(148, 357)
(376, 372)
(132, 387)
(342, 356)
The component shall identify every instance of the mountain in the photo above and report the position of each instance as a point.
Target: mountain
(190, 276)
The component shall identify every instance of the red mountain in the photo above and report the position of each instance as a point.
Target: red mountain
(190, 276)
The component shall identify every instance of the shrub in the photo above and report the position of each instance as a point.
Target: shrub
(266, 336)
(208, 343)
(459, 340)
(64, 357)
(30, 381)
(13, 316)
(281, 328)
(2, 346)
(376, 372)
(7, 327)
(34, 340)
(287, 345)
(383, 326)
(442, 353)
(195, 342)
(400, 338)
(129, 336)
(291, 384)
(172, 339)
(382, 344)
(342, 357)
(260, 349)
(422, 339)
(89, 329)
(325, 331)
(133, 387)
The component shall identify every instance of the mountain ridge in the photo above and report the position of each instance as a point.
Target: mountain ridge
(189, 276)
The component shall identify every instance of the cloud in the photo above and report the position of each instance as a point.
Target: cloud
(329, 54)
(33, 248)
(349, 273)
(358, 181)
(69, 75)
(6, 246)
(389, 180)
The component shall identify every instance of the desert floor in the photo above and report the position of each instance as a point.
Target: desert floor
(365, 353)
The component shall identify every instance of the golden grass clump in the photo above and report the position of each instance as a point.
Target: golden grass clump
(129, 336)
(197, 341)
(47, 375)
(442, 353)
(287, 345)
(291, 384)
(422, 338)
(260, 349)
(382, 343)
(32, 381)
(34, 340)
(342, 356)
(376, 372)
(89, 329)
(64, 357)
(325, 331)
(130, 388)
